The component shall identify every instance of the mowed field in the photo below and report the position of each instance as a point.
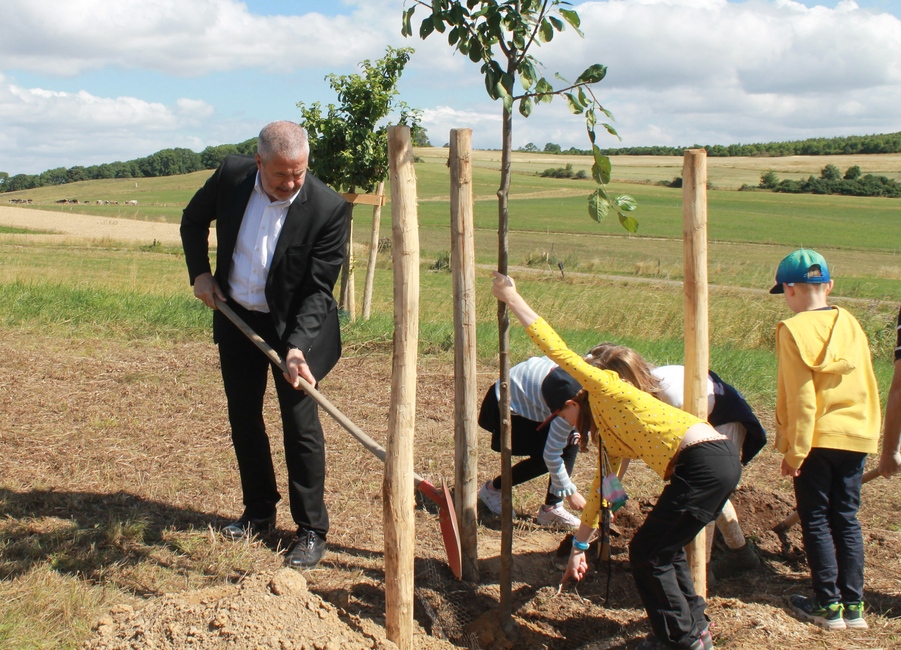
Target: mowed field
(116, 466)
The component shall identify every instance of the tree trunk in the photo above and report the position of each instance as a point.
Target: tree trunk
(503, 327)
(346, 300)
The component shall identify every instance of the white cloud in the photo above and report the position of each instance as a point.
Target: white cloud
(45, 128)
(176, 37)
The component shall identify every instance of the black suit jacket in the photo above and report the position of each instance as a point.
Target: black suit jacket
(305, 264)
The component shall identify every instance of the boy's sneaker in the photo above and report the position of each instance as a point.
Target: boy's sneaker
(853, 615)
(491, 497)
(557, 516)
(828, 617)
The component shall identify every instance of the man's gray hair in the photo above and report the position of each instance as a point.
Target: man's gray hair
(284, 139)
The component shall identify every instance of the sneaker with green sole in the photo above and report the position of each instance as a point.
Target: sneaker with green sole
(853, 615)
(828, 617)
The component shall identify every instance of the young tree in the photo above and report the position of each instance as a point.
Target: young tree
(500, 35)
(348, 143)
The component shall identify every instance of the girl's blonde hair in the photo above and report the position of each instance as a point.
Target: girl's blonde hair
(629, 365)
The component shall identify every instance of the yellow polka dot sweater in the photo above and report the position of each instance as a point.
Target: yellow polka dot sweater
(630, 422)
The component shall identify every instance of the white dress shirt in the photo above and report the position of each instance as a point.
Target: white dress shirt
(257, 237)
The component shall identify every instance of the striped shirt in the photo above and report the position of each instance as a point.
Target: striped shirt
(526, 401)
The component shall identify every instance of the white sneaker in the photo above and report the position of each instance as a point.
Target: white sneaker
(557, 516)
(490, 497)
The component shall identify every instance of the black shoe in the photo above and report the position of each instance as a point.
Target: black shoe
(247, 527)
(308, 549)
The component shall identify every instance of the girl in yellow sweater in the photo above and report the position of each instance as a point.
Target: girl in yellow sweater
(701, 465)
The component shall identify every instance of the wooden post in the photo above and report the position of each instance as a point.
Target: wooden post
(346, 299)
(465, 394)
(398, 497)
(373, 253)
(697, 353)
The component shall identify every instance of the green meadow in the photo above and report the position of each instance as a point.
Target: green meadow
(612, 285)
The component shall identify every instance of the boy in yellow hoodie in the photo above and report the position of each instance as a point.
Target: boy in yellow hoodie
(827, 421)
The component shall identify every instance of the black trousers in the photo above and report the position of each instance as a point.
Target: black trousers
(526, 440)
(703, 477)
(245, 371)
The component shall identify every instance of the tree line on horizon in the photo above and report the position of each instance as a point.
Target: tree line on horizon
(177, 161)
(843, 145)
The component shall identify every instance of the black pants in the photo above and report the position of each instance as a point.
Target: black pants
(526, 440)
(244, 373)
(704, 476)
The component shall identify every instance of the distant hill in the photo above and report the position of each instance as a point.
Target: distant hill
(173, 162)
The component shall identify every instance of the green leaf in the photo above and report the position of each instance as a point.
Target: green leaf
(453, 36)
(629, 223)
(574, 106)
(598, 207)
(601, 168)
(590, 119)
(525, 107)
(426, 28)
(527, 74)
(556, 22)
(593, 74)
(438, 22)
(475, 52)
(545, 91)
(508, 103)
(571, 17)
(406, 29)
(625, 203)
(611, 130)
(546, 31)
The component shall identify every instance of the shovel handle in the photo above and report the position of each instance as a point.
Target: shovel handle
(794, 517)
(375, 448)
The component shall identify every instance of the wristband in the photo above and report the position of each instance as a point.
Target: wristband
(580, 546)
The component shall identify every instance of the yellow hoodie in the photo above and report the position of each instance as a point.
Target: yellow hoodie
(826, 390)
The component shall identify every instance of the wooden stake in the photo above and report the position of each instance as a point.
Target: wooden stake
(373, 249)
(697, 353)
(347, 298)
(398, 497)
(465, 393)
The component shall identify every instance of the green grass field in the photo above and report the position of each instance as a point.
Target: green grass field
(141, 292)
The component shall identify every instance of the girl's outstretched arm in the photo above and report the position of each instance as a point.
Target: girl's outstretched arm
(504, 289)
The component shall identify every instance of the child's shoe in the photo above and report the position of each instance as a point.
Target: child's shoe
(828, 617)
(853, 615)
(557, 516)
(491, 497)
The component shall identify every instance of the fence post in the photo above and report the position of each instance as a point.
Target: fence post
(465, 392)
(697, 352)
(373, 252)
(399, 501)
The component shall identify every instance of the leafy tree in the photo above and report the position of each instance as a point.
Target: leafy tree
(212, 157)
(420, 137)
(529, 148)
(349, 143)
(55, 176)
(853, 173)
(831, 173)
(550, 147)
(769, 180)
(4, 177)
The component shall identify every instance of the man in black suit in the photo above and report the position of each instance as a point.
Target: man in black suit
(281, 235)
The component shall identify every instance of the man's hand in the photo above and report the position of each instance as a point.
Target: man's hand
(788, 470)
(576, 501)
(206, 288)
(889, 463)
(297, 367)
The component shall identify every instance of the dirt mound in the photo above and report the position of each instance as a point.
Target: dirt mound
(267, 610)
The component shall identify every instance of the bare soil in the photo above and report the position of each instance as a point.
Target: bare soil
(117, 468)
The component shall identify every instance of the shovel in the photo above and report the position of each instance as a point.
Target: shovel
(447, 516)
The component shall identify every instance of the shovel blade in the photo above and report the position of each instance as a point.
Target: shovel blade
(447, 519)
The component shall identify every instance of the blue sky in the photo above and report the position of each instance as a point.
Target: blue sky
(105, 81)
